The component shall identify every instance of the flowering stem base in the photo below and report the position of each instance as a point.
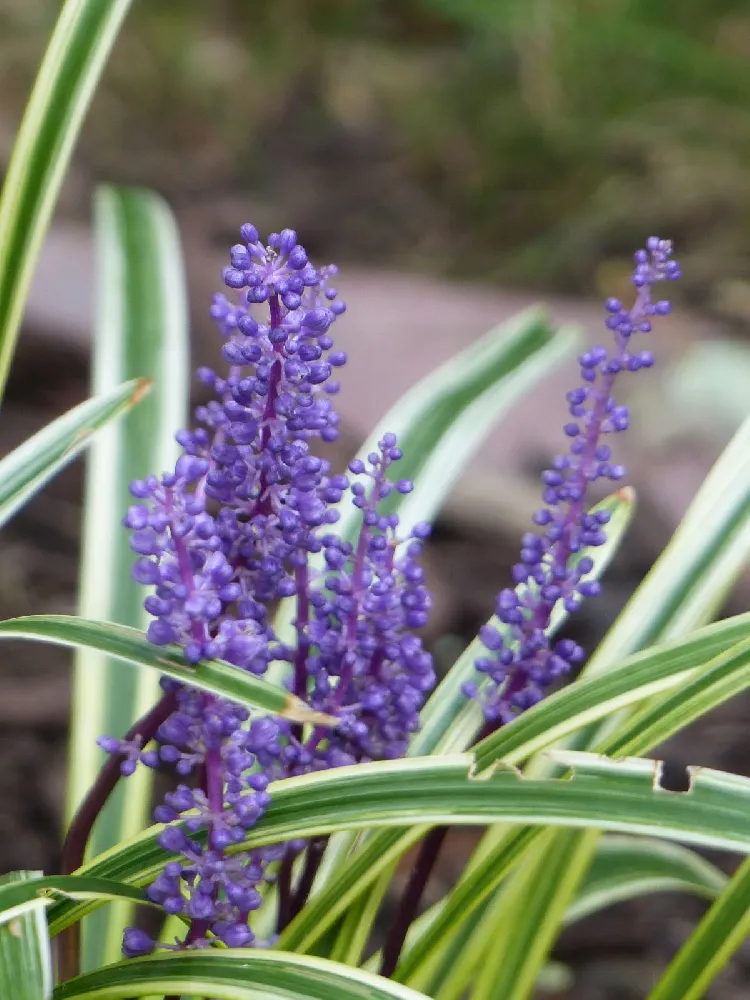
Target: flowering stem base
(407, 909)
(79, 831)
(315, 851)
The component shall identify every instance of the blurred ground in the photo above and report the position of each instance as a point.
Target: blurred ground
(517, 140)
(524, 147)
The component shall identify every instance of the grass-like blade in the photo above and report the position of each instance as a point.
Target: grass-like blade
(515, 971)
(446, 920)
(716, 938)
(131, 646)
(65, 84)
(233, 975)
(25, 957)
(17, 895)
(355, 873)
(713, 652)
(720, 678)
(484, 876)
(26, 469)
(629, 867)
(141, 329)
(623, 868)
(622, 796)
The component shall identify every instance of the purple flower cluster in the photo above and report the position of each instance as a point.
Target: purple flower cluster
(551, 570)
(366, 665)
(216, 892)
(248, 517)
(227, 535)
(247, 497)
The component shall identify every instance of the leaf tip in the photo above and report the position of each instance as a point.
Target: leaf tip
(626, 495)
(142, 388)
(296, 710)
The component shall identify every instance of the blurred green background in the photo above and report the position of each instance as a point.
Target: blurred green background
(519, 141)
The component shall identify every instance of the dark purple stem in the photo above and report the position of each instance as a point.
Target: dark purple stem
(407, 908)
(211, 774)
(300, 660)
(79, 831)
(420, 876)
(197, 630)
(315, 850)
(262, 504)
(284, 884)
(212, 781)
(81, 825)
(197, 932)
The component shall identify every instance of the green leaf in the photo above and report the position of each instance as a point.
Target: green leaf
(436, 974)
(65, 84)
(25, 958)
(131, 646)
(708, 949)
(356, 927)
(721, 679)
(233, 975)
(629, 867)
(511, 968)
(554, 977)
(437, 929)
(355, 872)
(15, 896)
(622, 868)
(716, 681)
(660, 668)
(479, 881)
(691, 579)
(141, 329)
(621, 795)
(26, 470)
(708, 665)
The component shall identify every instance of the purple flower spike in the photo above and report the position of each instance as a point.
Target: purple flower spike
(366, 665)
(550, 570)
(219, 537)
(230, 532)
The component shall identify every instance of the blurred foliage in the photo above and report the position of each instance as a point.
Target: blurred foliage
(508, 139)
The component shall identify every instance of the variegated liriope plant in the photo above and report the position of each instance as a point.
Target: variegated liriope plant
(271, 608)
